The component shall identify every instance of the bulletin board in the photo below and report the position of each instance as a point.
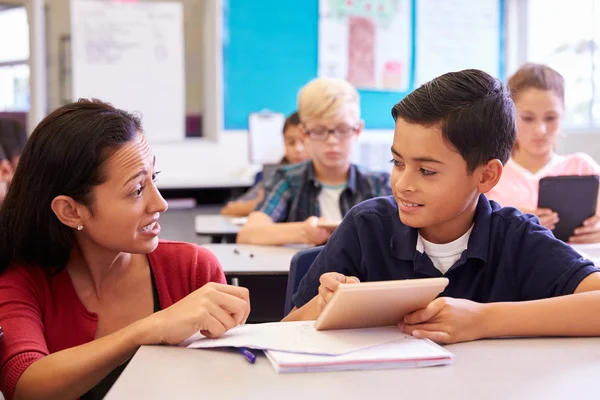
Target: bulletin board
(271, 49)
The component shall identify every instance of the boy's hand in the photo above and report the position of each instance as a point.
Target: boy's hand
(329, 283)
(446, 320)
(314, 234)
(547, 217)
(588, 233)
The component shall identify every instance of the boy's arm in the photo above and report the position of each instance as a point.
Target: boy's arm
(239, 208)
(559, 295)
(572, 315)
(309, 312)
(260, 229)
(341, 254)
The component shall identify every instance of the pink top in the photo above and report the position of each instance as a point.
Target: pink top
(519, 188)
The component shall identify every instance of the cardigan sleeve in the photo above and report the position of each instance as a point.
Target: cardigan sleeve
(21, 313)
(208, 268)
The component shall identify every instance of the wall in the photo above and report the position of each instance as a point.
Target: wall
(58, 25)
(588, 142)
(198, 162)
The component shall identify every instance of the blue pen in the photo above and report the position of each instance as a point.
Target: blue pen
(248, 355)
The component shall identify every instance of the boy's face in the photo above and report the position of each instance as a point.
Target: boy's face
(431, 183)
(332, 150)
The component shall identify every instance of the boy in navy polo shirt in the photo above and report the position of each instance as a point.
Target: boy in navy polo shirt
(508, 275)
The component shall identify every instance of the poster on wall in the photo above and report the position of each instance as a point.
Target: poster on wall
(132, 55)
(457, 34)
(367, 42)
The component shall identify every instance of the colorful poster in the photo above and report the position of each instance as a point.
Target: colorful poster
(368, 42)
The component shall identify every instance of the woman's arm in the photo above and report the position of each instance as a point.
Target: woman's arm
(72, 372)
(212, 310)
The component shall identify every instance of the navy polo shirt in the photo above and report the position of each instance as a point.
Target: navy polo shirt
(509, 257)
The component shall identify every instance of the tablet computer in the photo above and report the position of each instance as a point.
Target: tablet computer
(574, 198)
(372, 304)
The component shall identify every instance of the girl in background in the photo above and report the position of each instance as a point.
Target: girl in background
(539, 95)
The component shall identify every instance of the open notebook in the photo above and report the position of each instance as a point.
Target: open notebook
(408, 352)
(299, 347)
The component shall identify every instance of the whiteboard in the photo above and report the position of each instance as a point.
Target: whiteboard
(132, 55)
(265, 133)
(453, 35)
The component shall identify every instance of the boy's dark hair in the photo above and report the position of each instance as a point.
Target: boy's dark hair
(291, 120)
(65, 155)
(473, 109)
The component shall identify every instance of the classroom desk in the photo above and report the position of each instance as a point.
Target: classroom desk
(246, 259)
(265, 274)
(217, 227)
(554, 368)
(591, 250)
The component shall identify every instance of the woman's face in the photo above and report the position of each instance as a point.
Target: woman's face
(127, 206)
(539, 117)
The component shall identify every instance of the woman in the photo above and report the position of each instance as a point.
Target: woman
(84, 280)
(539, 95)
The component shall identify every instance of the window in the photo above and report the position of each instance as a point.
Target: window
(14, 57)
(566, 36)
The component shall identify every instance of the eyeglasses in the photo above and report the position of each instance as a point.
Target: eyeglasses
(322, 134)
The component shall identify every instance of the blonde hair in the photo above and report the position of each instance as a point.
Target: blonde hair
(537, 76)
(324, 98)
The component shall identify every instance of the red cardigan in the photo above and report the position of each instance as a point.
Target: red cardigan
(42, 315)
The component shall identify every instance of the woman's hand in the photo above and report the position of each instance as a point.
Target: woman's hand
(212, 310)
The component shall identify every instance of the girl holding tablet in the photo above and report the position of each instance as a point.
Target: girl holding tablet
(538, 93)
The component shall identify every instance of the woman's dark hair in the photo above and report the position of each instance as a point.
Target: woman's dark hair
(473, 109)
(64, 156)
(12, 138)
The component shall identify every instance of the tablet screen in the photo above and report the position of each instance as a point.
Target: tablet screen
(574, 198)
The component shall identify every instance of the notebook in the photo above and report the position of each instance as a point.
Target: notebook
(298, 337)
(408, 352)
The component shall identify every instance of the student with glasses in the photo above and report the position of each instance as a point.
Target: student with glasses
(325, 187)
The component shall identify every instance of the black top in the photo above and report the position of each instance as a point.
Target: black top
(102, 388)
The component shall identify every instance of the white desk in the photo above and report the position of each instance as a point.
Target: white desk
(502, 369)
(217, 227)
(243, 259)
(589, 250)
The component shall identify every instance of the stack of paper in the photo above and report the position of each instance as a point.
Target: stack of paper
(298, 347)
(408, 352)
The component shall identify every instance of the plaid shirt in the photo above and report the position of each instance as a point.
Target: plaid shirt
(292, 194)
